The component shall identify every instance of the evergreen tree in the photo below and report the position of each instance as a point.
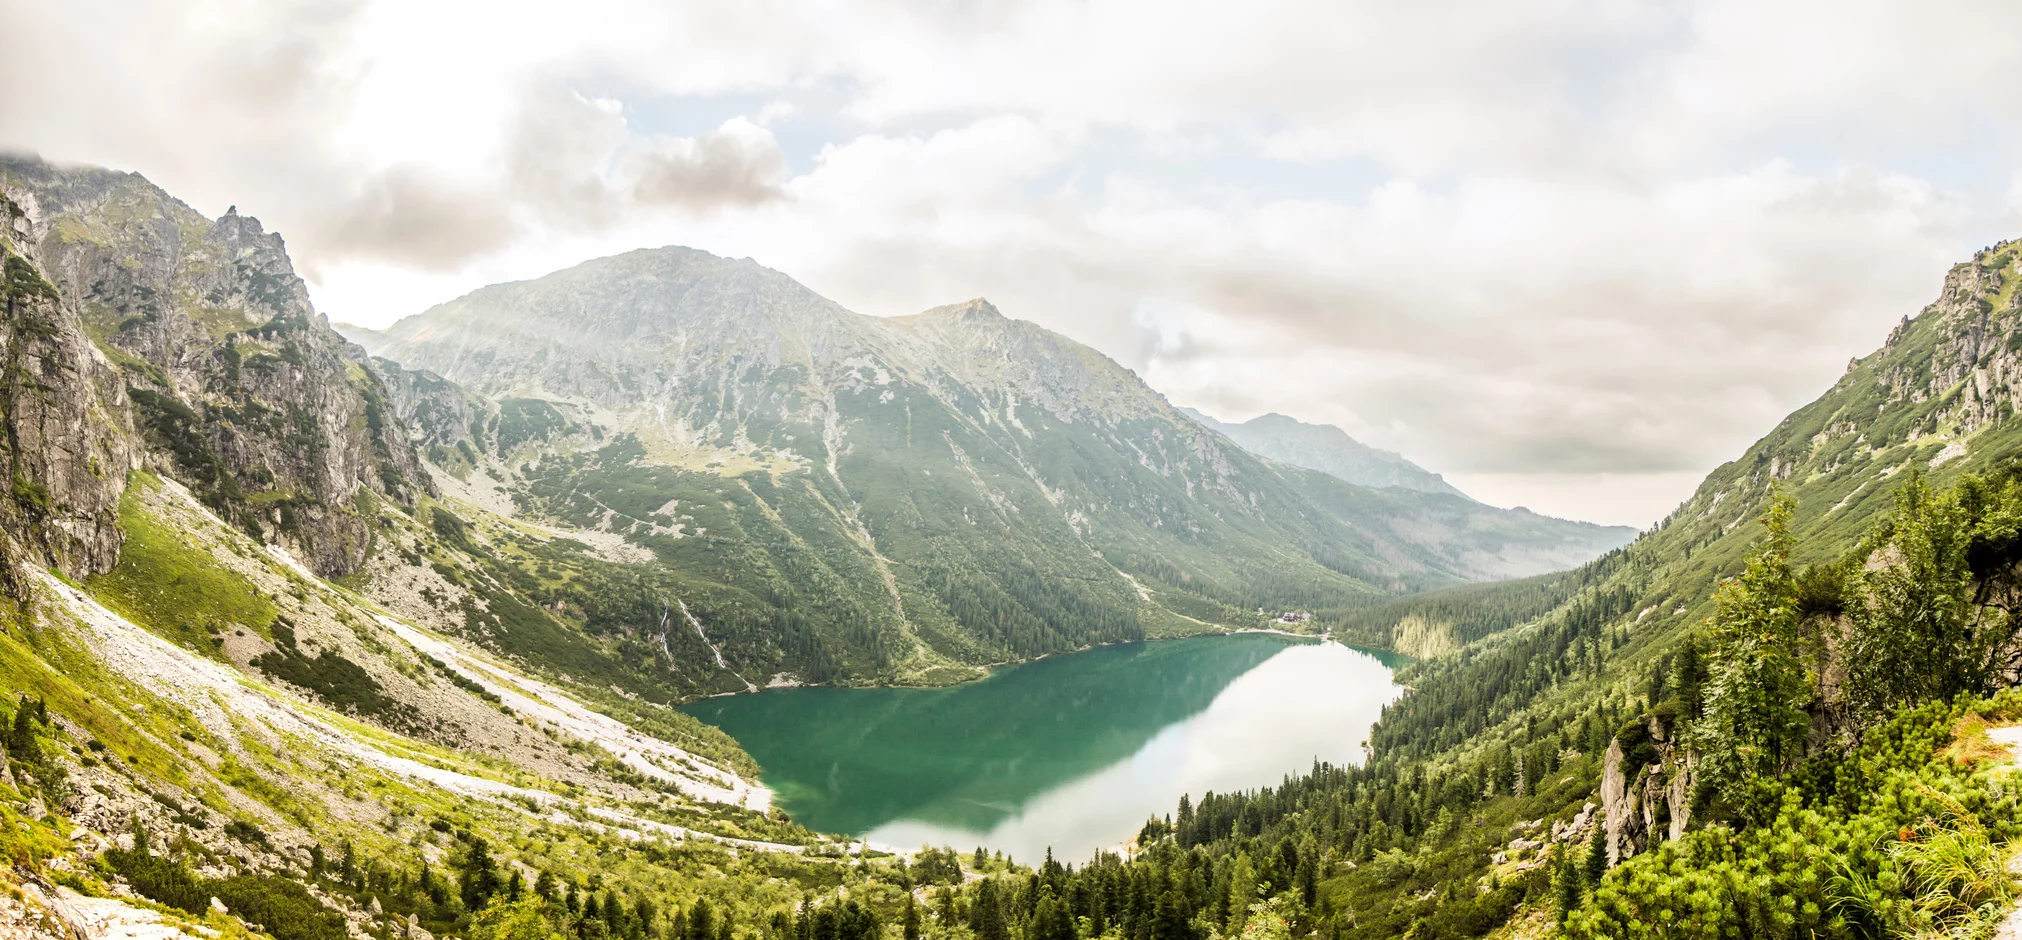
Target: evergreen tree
(1597, 854)
(702, 921)
(1169, 918)
(479, 878)
(1050, 919)
(1567, 881)
(1242, 888)
(349, 869)
(1755, 722)
(1919, 629)
(1690, 677)
(1307, 876)
(21, 734)
(986, 914)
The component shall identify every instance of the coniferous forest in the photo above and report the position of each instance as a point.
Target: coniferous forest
(1828, 721)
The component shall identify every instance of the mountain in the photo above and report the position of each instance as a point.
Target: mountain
(197, 334)
(202, 735)
(306, 643)
(319, 645)
(1328, 449)
(1625, 714)
(914, 495)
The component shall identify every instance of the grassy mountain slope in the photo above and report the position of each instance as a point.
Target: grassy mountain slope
(190, 712)
(839, 496)
(1490, 773)
(266, 730)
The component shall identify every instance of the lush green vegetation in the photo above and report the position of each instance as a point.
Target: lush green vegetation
(336, 680)
(1824, 804)
(173, 589)
(283, 907)
(1895, 838)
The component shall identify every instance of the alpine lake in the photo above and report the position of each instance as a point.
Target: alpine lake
(1072, 752)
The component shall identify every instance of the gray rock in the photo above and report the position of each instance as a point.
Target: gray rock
(231, 379)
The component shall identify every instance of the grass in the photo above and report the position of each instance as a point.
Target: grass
(177, 591)
(74, 685)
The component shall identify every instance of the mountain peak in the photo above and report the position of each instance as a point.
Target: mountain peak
(975, 308)
(1328, 449)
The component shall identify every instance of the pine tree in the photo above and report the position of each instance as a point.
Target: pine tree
(1050, 919)
(1597, 853)
(702, 921)
(479, 876)
(1690, 678)
(21, 735)
(1755, 722)
(986, 916)
(1567, 881)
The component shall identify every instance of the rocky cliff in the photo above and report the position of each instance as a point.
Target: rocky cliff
(68, 436)
(236, 385)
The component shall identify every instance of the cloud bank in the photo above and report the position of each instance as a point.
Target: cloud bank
(1572, 253)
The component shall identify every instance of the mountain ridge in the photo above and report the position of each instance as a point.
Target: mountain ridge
(936, 452)
(1328, 449)
(404, 663)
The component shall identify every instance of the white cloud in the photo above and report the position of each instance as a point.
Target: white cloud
(1580, 249)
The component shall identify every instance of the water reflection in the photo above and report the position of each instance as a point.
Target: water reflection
(1072, 752)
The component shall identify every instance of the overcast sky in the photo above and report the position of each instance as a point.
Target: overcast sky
(1571, 253)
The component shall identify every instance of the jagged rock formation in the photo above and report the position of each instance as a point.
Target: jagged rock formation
(1940, 395)
(1646, 787)
(1328, 449)
(457, 431)
(236, 384)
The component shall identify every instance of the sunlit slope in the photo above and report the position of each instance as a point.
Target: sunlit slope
(904, 497)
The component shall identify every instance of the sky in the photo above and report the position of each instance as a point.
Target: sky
(1573, 254)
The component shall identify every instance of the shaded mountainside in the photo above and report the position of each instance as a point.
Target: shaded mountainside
(1328, 449)
(908, 495)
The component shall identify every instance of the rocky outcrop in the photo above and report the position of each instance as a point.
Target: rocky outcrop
(237, 386)
(458, 431)
(65, 434)
(437, 413)
(1646, 787)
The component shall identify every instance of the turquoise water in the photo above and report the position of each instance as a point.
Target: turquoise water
(1072, 752)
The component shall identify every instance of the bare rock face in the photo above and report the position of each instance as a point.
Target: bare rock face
(237, 386)
(1646, 788)
(1620, 814)
(437, 412)
(65, 434)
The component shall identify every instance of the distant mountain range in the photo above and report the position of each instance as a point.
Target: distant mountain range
(1328, 449)
(921, 492)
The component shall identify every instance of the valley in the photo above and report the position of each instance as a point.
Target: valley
(661, 598)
